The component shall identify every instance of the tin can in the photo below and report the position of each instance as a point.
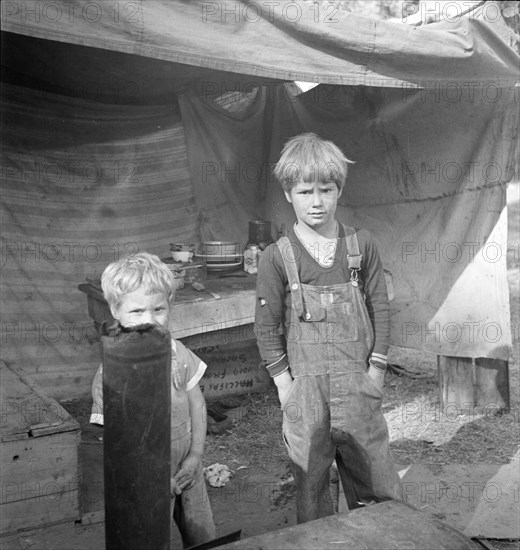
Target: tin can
(260, 232)
(251, 257)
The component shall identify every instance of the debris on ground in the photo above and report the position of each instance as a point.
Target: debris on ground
(221, 418)
(400, 370)
(217, 475)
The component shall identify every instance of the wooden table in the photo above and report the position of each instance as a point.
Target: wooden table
(198, 318)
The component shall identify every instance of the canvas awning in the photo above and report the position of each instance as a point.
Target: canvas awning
(287, 40)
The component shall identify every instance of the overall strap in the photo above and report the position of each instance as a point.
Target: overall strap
(353, 255)
(289, 260)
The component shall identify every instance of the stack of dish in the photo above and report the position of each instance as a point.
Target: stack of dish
(220, 255)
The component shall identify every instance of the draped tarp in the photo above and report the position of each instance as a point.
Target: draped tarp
(82, 185)
(95, 159)
(309, 41)
(228, 158)
(429, 182)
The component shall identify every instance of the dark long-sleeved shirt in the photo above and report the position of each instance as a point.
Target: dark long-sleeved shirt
(273, 289)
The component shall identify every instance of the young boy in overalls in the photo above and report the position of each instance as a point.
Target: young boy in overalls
(140, 290)
(322, 327)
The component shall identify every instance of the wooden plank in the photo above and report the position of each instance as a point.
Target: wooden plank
(194, 312)
(27, 409)
(230, 335)
(211, 315)
(14, 437)
(42, 463)
(492, 384)
(21, 407)
(90, 518)
(235, 308)
(391, 525)
(456, 382)
(41, 511)
(38, 456)
(40, 431)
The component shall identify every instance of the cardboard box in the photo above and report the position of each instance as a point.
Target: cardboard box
(233, 369)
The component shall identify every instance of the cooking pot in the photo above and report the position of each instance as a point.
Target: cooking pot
(219, 248)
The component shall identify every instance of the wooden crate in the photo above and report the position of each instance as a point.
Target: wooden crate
(38, 456)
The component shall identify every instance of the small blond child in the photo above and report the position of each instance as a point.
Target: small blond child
(140, 290)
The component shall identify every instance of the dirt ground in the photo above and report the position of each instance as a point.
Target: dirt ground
(260, 495)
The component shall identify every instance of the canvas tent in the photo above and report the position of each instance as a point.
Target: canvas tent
(123, 130)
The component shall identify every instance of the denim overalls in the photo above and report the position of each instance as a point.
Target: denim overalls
(333, 408)
(192, 510)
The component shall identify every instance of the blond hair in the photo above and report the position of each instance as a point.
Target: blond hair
(307, 157)
(138, 270)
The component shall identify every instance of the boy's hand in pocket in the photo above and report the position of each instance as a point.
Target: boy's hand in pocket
(377, 375)
(283, 382)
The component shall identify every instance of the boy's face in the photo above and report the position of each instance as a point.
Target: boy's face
(138, 308)
(314, 203)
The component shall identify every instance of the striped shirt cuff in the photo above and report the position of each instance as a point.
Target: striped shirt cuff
(378, 361)
(279, 366)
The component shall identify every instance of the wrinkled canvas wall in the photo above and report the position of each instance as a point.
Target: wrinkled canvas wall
(429, 182)
(83, 184)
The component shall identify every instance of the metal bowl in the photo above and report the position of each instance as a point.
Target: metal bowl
(219, 248)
